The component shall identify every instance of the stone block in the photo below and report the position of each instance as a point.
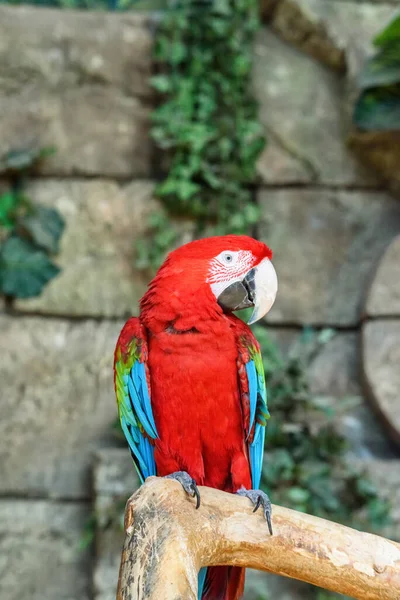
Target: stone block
(278, 164)
(58, 403)
(299, 26)
(340, 34)
(325, 243)
(335, 369)
(380, 151)
(301, 111)
(77, 81)
(337, 33)
(381, 373)
(97, 258)
(114, 472)
(40, 553)
(109, 544)
(364, 434)
(384, 294)
(115, 480)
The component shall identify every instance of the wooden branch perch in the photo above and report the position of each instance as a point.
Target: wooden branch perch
(168, 540)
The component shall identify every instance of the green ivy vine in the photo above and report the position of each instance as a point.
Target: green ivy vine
(29, 232)
(206, 124)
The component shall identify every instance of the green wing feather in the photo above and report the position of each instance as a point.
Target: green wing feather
(132, 389)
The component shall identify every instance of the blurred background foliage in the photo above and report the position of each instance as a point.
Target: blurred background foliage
(29, 233)
(142, 5)
(378, 106)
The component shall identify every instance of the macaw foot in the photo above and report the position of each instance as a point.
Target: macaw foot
(259, 498)
(188, 484)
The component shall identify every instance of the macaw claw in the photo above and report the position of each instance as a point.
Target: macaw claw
(259, 498)
(188, 484)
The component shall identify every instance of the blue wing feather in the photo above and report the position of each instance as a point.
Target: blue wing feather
(137, 392)
(257, 396)
(253, 388)
(135, 448)
(256, 457)
(146, 404)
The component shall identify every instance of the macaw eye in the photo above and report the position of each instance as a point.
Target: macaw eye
(227, 258)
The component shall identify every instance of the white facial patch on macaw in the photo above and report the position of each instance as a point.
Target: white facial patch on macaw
(237, 284)
(228, 267)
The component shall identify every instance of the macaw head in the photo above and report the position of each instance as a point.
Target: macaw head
(224, 274)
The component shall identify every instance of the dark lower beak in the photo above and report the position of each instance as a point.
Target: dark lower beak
(239, 294)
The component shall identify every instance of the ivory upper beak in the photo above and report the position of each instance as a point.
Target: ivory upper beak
(266, 287)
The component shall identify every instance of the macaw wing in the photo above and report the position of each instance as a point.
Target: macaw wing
(254, 402)
(132, 389)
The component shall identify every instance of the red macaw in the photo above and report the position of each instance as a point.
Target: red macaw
(189, 379)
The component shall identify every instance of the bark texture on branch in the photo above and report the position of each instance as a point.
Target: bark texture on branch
(168, 541)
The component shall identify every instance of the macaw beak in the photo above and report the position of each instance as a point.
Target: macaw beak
(258, 288)
(265, 289)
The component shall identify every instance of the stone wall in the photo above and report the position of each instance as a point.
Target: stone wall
(79, 81)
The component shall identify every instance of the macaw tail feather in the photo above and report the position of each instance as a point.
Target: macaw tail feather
(224, 583)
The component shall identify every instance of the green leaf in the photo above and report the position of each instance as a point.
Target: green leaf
(187, 189)
(378, 109)
(252, 213)
(161, 83)
(26, 158)
(46, 152)
(298, 495)
(168, 186)
(222, 7)
(24, 269)
(390, 34)
(365, 487)
(220, 26)
(383, 69)
(241, 65)
(8, 205)
(379, 512)
(326, 335)
(44, 226)
(178, 53)
(89, 532)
